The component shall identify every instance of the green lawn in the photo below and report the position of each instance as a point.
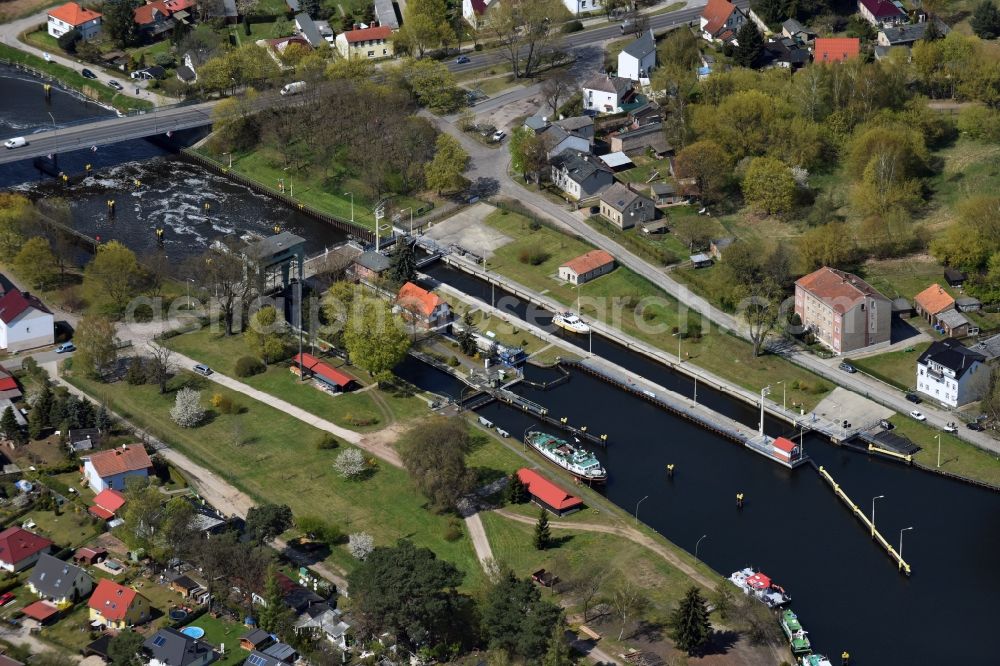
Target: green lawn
(898, 368)
(904, 277)
(957, 457)
(220, 632)
(42, 39)
(71, 528)
(270, 7)
(150, 52)
(279, 463)
(73, 79)
(661, 249)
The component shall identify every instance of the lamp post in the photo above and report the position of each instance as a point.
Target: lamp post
(409, 208)
(637, 508)
(877, 497)
(55, 131)
(187, 285)
(351, 194)
(698, 543)
(291, 182)
(939, 449)
(901, 540)
(764, 392)
(783, 393)
(230, 159)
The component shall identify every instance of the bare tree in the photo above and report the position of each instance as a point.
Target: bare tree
(524, 30)
(161, 365)
(224, 273)
(628, 601)
(761, 310)
(558, 86)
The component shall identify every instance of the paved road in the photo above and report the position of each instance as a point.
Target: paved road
(480, 543)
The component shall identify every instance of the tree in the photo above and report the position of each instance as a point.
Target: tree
(275, 616)
(524, 30)
(118, 21)
(708, 164)
(467, 336)
(404, 262)
(557, 86)
(112, 277)
(761, 310)
(350, 463)
(68, 40)
(266, 334)
(433, 85)
(542, 537)
(123, 648)
(827, 245)
(689, 623)
(35, 262)
(264, 522)
(161, 364)
(136, 373)
(768, 185)
(9, 426)
(187, 411)
(96, 341)
(407, 591)
(320, 530)
(102, 420)
(445, 171)
(15, 211)
(434, 454)
(360, 545)
(423, 27)
(558, 653)
(750, 45)
(517, 491)
(375, 338)
(224, 273)
(516, 619)
(628, 601)
(527, 153)
(36, 423)
(985, 21)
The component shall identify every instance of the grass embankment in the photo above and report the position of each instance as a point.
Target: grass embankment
(898, 368)
(371, 410)
(73, 79)
(957, 456)
(727, 356)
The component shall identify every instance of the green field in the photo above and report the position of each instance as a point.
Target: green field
(42, 39)
(957, 457)
(898, 368)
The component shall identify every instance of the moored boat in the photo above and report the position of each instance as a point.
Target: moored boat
(796, 634)
(571, 323)
(815, 660)
(759, 586)
(577, 461)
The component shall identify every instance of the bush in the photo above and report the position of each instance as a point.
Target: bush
(360, 545)
(453, 361)
(68, 40)
(225, 404)
(359, 421)
(165, 59)
(533, 256)
(248, 366)
(187, 411)
(454, 530)
(576, 25)
(327, 442)
(980, 122)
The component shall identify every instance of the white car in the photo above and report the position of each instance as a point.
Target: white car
(918, 416)
(499, 135)
(951, 428)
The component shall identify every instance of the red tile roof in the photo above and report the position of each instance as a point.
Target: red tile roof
(546, 491)
(882, 9)
(17, 544)
(112, 600)
(588, 262)
(836, 49)
(40, 610)
(840, 290)
(417, 299)
(784, 444)
(107, 501)
(716, 13)
(325, 370)
(144, 15)
(101, 512)
(934, 299)
(7, 382)
(366, 34)
(119, 460)
(12, 304)
(73, 14)
(178, 5)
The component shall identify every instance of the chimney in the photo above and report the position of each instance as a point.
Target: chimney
(375, 24)
(357, 27)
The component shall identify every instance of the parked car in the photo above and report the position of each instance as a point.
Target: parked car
(951, 427)
(461, 60)
(16, 142)
(65, 347)
(887, 425)
(975, 425)
(87, 74)
(6, 598)
(914, 398)
(499, 135)
(848, 368)
(202, 369)
(918, 415)
(114, 84)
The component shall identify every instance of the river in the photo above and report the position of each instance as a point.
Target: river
(845, 588)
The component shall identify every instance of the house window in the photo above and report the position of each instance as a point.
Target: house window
(371, 54)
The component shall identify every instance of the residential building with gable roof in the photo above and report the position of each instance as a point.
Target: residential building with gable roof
(110, 469)
(556, 139)
(638, 58)
(424, 308)
(587, 266)
(372, 43)
(882, 13)
(580, 175)
(72, 16)
(24, 322)
(844, 312)
(19, 548)
(721, 20)
(548, 495)
(604, 93)
(116, 606)
(625, 208)
(107, 503)
(932, 301)
(952, 374)
(836, 49)
(59, 582)
(169, 647)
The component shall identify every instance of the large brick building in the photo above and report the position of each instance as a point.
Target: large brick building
(843, 311)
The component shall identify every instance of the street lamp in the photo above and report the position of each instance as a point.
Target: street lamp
(187, 284)
(351, 194)
(901, 540)
(698, 543)
(409, 208)
(230, 159)
(877, 497)
(55, 132)
(782, 382)
(939, 449)
(291, 182)
(637, 508)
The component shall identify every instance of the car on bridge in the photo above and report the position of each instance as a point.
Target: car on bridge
(16, 142)
(114, 84)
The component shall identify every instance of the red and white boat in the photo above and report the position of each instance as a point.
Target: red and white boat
(760, 586)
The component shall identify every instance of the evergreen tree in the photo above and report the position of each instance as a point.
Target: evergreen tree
(558, 653)
(542, 536)
(102, 420)
(8, 424)
(404, 262)
(275, 616)
(750, 45)
(467, 337)
(517, 492)
(689, 623)
(36, 423)
(136, 373)
(985, 21)
(932, 32)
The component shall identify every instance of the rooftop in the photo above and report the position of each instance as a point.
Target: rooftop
(579, 166)
(546, 491)
(641, 47)
(170, 646)
(716, 13)
(51, 577)
(840, 290)
(620, 197)
(589, 261)
(119, 460)
(73, 14)
(951, 354)
(324, 370)
(17, 544)
(111, 599)
(373, 261)
(275, 244)
(934, 299)
(836, 49)
(882, 9)
(375, 32)
(609, 84)
(415, 298)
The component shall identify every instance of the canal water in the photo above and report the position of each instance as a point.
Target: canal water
(173, 194)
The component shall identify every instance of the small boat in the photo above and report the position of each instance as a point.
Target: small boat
(759, 586)
(796, 634)
(579, 462)
(815, 660)
(571, 323)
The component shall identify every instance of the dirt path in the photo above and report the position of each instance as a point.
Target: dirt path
(480, 543)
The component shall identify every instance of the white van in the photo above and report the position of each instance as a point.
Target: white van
(16, 142)
(293, 88)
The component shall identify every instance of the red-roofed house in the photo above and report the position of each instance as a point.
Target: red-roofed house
(107, 503)
(321, 372)
(785, 449)
(836, 49)
(19, 548)
(157, 17)
(24, 322)
(882, 13)
(843, 311)
(548, 495)
(8, 386)
(72, 16)
(116, 606)
(586, 267)
(474, 11)
(424, 308)
(721, 20)
(369, 43)
(110, 469)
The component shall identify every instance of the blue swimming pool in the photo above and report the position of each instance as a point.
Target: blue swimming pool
(193, 632)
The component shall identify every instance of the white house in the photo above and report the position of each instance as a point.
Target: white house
(720, 21)
(475, 11)
(110, 469)
(882, 13)
(606, 94)
(557, 139)
(577, 7)
(60, 582)
(638, 59)
(72, 16)
(586, 267)
(24, 322)
(19, 548)
(580, 175)
(952, 374)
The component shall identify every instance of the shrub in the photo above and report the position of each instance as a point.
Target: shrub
(360, 545)
(187, 411)
(350, 463)
(224, 404)
(453, 361)
(360, 421)
(533, 256)
(248, 366)
(576, 25)
(327, 442)
(136, 373)
(454, 530)
(165, 59)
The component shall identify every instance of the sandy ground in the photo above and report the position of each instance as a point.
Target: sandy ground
(465, 229)
(855, 409)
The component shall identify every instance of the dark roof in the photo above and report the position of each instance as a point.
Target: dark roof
(373, 261)
(185, 583)
(185, 73)
(882, 9)
(620, 197)
(282, 651)
(171, 647)
(954, 275)
(579, 166)
(273, 245)
(574, 123)
(257, 658)
(641, 47)
(309, 29)
(155, 71)
(609, 84)
(385, 12)
(663, 189)
(54, 578)
(951, 354)
(256, 637)
(784, 49)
